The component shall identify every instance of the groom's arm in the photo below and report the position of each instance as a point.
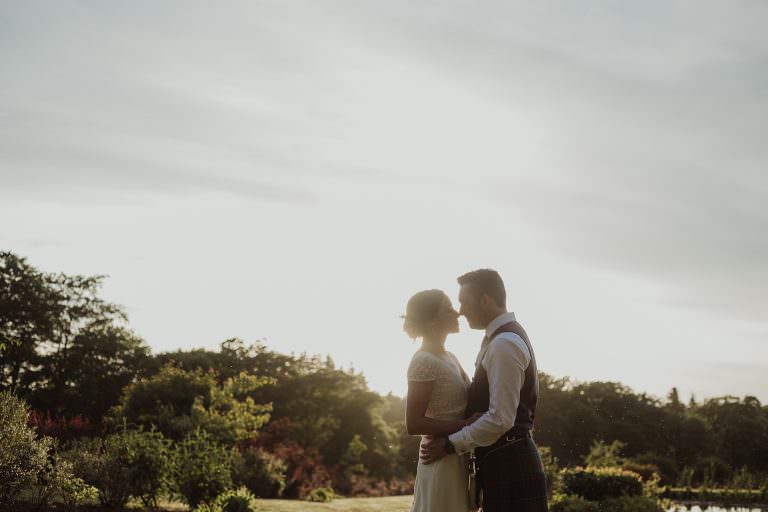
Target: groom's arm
(505, 363)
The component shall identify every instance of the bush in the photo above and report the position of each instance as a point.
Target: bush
(22, 457)
(240, 500)
(204, 468)
(110, 473)
(57, 480)
(596, 484)
(668, 469)
(305, 468)
(127, 464)
(563, 503)
(260, 472)
(75, 491)
(631, 504)
(321, 495)
(647, 472)
(148, 463)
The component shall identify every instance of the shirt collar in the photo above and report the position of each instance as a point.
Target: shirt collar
(497, 322)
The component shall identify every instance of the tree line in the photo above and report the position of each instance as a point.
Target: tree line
(305, 423)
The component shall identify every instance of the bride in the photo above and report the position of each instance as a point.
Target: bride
(437, 399)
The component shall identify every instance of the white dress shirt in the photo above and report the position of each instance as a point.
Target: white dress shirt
(505, 359)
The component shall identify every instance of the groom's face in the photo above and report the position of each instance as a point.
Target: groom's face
(471, 308)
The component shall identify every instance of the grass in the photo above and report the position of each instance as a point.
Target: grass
(389, 504)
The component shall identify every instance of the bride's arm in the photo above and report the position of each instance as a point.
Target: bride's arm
(416, 421)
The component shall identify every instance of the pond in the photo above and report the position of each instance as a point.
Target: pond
(713, 508)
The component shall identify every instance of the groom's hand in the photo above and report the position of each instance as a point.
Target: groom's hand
(432, 449)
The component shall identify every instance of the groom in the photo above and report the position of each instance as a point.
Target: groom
(505, 388)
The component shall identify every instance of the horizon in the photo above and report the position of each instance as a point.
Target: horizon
(294, 175)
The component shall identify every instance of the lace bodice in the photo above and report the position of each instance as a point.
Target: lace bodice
(449, 394)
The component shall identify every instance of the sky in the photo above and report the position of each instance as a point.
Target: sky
(293, 171)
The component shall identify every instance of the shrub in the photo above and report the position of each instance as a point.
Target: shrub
(668, 469)
(126, 464)
(631, 504)
(111, 476)
(240, 500)
(305, 468)
(87, 458)
(563, 503)
(260, 472)
(203, 468)
(647, 472)
(51, 480)
(321, 495)
(148, 463)
(596, 484)
(205, 507)
(75, 491)
(23, 456)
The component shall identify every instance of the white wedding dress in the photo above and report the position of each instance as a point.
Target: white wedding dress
(442, 485)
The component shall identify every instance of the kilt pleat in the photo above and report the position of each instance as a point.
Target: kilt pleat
(512, 478)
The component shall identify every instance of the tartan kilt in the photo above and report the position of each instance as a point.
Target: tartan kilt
(512, 478)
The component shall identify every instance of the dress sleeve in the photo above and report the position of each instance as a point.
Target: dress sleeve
(422, 368)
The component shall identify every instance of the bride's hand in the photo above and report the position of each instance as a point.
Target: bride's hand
(473, 418)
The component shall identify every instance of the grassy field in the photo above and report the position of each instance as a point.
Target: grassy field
(391, 504)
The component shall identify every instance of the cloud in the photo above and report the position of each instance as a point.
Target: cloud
(648, 131)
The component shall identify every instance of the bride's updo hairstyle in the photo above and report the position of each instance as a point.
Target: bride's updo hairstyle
(421, 308)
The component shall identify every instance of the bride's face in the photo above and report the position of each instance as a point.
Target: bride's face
(447, 319)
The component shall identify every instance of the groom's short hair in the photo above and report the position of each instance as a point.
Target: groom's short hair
(486, 281)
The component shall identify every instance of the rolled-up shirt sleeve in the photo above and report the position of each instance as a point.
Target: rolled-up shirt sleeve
(505, 362)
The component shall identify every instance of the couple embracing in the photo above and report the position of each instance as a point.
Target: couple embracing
(477, 449)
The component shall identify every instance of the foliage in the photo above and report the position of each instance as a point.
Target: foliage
(28, 302)
(551, 469)
(596, 484)
(631, 504)
(260, 472)
(100, 361)
(23, 456)
(148, 461)
(62, 428)
(321, 495)
(240, 500)
(711, 471)
(647, 472)
(564, 503)
(742, 430)
(602, 455)
(177, 402)
(203, 468)
(74, 491)
(305, 468)
(50, 479)
(326, 406)
(666, 466)
(721, 496)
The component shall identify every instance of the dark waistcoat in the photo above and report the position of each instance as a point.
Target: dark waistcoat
(479, 393)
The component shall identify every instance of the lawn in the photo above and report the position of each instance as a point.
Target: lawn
(390, 504)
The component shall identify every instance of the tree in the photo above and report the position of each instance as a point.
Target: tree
(41, 314)
(101, 361)
(28, 307)
(178, 402)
